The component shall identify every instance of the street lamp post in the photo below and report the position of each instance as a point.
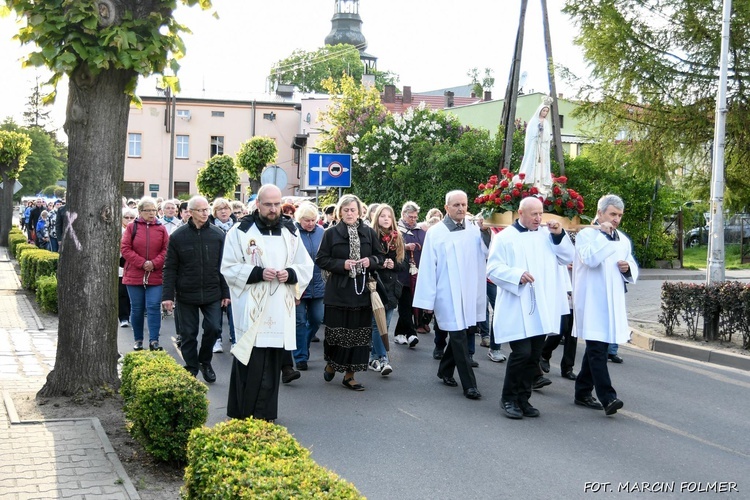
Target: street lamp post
(169, 123)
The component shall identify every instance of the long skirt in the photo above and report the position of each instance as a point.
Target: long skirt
(348, 338)
(254, 389)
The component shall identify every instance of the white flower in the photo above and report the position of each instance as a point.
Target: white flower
(376, 147)
(394, 156)
(350, 139)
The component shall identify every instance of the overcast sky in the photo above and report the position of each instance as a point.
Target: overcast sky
(430, 45)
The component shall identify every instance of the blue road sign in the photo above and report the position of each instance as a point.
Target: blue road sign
(329, 170)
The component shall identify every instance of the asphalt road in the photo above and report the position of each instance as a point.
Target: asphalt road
(684, 427)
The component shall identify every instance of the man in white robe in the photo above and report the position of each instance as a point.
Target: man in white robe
(451, 283)
(267, 270)
(603, 265)
(524, 263)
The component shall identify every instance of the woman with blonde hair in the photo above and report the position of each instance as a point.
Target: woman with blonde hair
(392, 245)
(348, 251)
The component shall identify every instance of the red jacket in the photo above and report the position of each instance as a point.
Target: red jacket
(150, 243)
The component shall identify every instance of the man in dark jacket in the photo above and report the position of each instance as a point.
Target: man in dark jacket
(192, 269)
(34, 218)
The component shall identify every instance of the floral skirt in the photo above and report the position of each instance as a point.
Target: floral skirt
(348, 338)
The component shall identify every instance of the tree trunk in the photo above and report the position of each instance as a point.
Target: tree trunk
(96, 124)
(6, 208)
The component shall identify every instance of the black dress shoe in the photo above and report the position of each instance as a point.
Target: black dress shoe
(208, 373)
(437, 353)
(544, 365)
(449, 381)
(528, 410)
(302, 366)
(473, 363)
(613, 406)
(288, 374)
(540, 382)
(589, 402)
(472, 393)
(511, 409)
(615, 358)
(315, 339)
(569, 375)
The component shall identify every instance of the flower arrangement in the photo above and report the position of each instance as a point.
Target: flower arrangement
(562, 200)
(499, 195)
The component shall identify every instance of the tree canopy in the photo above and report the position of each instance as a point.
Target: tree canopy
(655, 68)
(44, 165)
(218, 178)
(15, 147)
(307, 70)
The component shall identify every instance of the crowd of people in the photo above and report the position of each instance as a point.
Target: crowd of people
(278, 271)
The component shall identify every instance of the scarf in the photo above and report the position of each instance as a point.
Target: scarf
(354, 249)
(224, 226)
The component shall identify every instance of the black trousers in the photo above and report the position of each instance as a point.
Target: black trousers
(123, 301)
(569, 348)
(405, 324)
(192, 355)
(521, 368)
(456, 357)
(254, 388)
(594, 373)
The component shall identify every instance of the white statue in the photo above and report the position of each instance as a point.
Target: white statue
(536, 160)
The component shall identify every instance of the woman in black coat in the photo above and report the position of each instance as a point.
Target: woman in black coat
(348, 251)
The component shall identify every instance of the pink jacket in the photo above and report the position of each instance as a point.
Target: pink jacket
(150, 243)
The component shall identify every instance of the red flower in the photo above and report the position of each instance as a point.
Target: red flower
(547, 202)
(478, 200)
(556, 191)
(493, 179)
(507, 197)
(570, 204)
(515, 192)
(481, 186)
(533, 190)
(503, 171)
(573, 194)
(558, 202)
(522, 176)
(525, 194)
(562, 179)
(504, 184)
(519, 185)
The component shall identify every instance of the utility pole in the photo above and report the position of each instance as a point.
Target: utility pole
(715, 266)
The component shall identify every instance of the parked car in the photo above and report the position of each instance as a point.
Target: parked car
(733, 228)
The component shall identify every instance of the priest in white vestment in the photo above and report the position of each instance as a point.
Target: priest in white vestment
(524, 263)
(451, 282)
(267, 270)
(603, 266)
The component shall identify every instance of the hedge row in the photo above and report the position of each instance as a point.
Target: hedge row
(724, 307)
(163, 402)
(46, 293)
(250, 458)
(15, 239)
(35, 264)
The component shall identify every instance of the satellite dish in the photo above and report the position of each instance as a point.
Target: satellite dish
(274, 175)
(522, 81)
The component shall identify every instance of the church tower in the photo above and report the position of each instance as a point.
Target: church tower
(346, 27)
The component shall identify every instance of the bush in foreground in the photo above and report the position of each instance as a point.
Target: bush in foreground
(46, 293)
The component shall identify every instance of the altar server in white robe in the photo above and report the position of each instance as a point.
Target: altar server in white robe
(267, 269)
(452, 283)
(603, 266)
(524, 263)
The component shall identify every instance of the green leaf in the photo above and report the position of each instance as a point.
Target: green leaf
(90, 23)
(36, 19)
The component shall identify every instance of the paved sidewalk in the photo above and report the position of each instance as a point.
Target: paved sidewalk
(66, 458)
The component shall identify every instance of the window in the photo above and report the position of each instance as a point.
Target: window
(134, 145)
(219, 114)
(562, 121)
(238, 192)
(217, 145)
(182, 149)
(133, 190)
(181, 188)
(183, 113)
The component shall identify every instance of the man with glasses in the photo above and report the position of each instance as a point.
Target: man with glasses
(192, 276)
(267, 269)
(409, 319)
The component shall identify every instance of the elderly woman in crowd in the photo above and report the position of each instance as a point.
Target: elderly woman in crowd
(169, 218)
(310, 307)
(123, 312)
(348, 250)
(223, 218)
(42, 231)
(144, 248)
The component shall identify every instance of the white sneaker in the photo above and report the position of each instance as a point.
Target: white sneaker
(400, 339)
(386, 368)
(218, 347)
(496, 355)
(124, 323)
(374, 365)
(413, 340)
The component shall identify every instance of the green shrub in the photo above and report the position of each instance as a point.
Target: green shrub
(35, 264)
(46, 293)
(22, 247)
(163, 402)
(251, 458)
(14, 240)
